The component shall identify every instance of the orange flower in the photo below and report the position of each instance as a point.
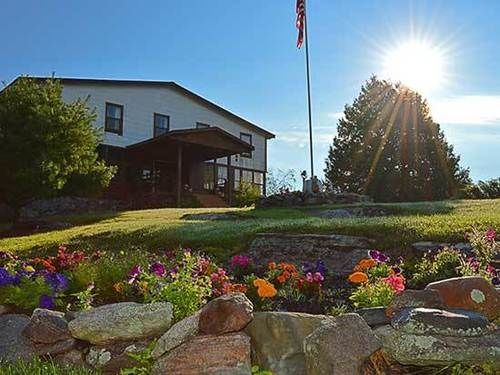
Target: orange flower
(272, 265)
(358, 277)
(238, 288)
(264, 288)
(281, 278)
(118, 287)
(365, 264)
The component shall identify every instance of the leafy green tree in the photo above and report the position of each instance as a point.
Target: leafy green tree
(47, 146)
(388, 147)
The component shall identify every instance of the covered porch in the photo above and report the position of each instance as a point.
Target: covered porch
(175, 162)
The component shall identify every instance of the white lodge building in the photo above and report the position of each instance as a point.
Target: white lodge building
(167, 140)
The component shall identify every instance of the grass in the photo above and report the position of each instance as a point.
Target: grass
(39, 367)
(148, 230)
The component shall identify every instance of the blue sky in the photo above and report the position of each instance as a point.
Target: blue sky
(242, 55)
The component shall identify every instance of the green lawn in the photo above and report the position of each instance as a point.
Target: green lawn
(163, 228)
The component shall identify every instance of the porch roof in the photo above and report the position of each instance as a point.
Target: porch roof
(197, 145)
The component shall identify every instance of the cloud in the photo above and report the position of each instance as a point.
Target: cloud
(467, 110)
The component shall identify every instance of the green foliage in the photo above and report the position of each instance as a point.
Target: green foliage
(247, 194)
(489, 189)
(278, 180)
(48, 146)
(461, 369)
(388, 147)
(372, 295)
(443, 265)
(25, 295)
(40, 367)
(339, 309)
(256, 370)
(144, 360)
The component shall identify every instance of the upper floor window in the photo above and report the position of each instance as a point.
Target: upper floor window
(114, 118)
(248, 139)
(201, 125)
(161, 124)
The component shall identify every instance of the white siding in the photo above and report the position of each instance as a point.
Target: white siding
(141, 102)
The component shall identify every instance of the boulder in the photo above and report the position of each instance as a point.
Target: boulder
(374, 316)
(469, 293)
(4, 309)
(423, 321)
(228, 313)
(72, 358)
(47, 327)
(110, 359)
(340, 253)
(439, 350)
(277, 340)
(228, 354)
(13, 344)
(339, 346)
(414, 298)
(178, 334)
(125, 321)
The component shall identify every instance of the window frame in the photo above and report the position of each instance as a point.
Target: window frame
(155, 115)
(247, 155)
(106, 117)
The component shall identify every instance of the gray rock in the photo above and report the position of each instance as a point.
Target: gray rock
(277, 340)
(13, 344)
(415, 298)
(72, 358)
(340, 346)
(125, 321)
(178, 334)
(423, 321)
(4, 309)
(55, 348)
(340, 253)
(351, 212)
(47, 326)
(110, 359)
(374, 316)
(439, 350)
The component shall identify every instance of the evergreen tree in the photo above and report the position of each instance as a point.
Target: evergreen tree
(388, 147)
(46, 144)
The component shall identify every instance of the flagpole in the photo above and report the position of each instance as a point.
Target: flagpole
(309, 100)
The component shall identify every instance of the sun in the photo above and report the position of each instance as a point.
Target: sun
(416, 64)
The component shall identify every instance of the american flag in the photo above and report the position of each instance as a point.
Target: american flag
(300, 9)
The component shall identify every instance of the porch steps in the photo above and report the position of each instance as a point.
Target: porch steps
(210, 200)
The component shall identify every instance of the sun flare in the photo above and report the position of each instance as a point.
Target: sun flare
(416, 64)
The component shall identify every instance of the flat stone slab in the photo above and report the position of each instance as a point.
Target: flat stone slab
(340, 253)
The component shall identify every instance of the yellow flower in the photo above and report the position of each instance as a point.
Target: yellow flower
(118, 287)
(29, 269)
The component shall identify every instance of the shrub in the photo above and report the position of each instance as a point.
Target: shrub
(247, 194)
(442, 265)
(379, 293)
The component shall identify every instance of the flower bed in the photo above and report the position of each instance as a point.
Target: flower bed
(73, 280)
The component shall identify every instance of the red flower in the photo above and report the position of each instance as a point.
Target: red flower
(397, 282)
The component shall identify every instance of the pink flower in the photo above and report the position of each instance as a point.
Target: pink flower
(240, 261)
(134, 274)
(397, 282)
(491, 234)
(318, 277)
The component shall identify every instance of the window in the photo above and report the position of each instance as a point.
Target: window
(201, 125)
(161, 124)
(114, 118)
(248, 139)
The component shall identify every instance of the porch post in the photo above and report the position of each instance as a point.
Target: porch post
(179, 174)
(230, 181)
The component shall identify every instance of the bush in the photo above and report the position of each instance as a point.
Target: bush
(375, 294)
(489, 189)
(247, 195)
(440, 266)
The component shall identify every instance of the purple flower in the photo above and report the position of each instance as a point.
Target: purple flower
(496, 280)
(57, 281)
(310, 267)
(321, 267)
(378, 256)
(490, 234)
(158, 269)
(134, 274)
(5, 277)
(46, 302)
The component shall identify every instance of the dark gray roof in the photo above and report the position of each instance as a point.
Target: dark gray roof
(170, 84)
